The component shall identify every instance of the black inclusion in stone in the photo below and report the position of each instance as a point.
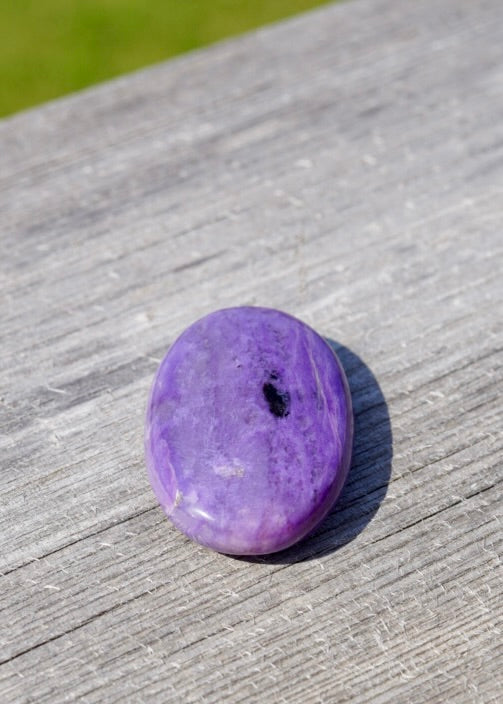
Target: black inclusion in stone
(279, 401)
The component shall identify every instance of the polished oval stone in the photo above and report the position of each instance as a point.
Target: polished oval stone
(249, 430)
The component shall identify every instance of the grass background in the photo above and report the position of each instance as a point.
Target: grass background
(52, 47)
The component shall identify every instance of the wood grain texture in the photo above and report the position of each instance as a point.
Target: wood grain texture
(345, 166)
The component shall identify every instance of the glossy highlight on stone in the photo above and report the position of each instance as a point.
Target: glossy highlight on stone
(249, 430)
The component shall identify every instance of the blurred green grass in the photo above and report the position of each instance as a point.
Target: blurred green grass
(52, 47)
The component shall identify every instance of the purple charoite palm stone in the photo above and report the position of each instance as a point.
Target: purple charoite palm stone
(249, 431)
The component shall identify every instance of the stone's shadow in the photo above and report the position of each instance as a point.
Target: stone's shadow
(368, 477)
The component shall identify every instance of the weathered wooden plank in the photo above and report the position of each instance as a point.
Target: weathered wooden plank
(346, 166)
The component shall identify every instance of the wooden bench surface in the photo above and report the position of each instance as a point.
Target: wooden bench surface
(345, 166)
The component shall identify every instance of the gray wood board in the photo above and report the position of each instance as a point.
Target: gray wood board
(345, 166)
